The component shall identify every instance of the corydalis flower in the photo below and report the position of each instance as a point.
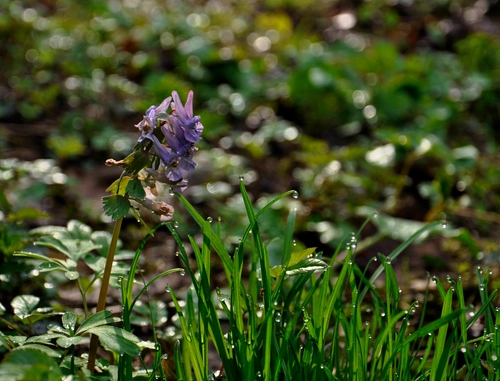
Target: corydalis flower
(181, 130)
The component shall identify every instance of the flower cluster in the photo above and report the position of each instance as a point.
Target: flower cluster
(181, 131)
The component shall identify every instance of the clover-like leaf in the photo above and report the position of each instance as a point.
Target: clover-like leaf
(79, 230)
(115, 206)
(135, 189)
(24, 305)
(69, 321)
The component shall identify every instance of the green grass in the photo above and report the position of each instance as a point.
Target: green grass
(310, 320)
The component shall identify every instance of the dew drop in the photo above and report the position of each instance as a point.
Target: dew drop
(463, 349)
(382, 314)
(177, 253)
(164, 356)
(209, 219)
(171, 191)
(183, 272)
(175, 224)
(295, 194)
(119, 279)
(167, 288)
(444, 224)
(242, 178)
(277, 318)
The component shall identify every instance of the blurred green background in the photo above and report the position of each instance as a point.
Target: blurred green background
(361, 106)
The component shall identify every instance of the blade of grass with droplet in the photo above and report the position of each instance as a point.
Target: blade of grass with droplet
(441, 351)
(190, 340)
(266, 282)
(215, 240)
(399, 250)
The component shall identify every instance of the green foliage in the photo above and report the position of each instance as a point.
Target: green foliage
(318, 324)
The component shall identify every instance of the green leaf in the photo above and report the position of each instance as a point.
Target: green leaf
(72, 248)
(28, 213)
(48, 230)
(100, 318)
(119, 186)
(24, 305)
(69, 321)
(72, 275)
(67, 342)
(137, 160)
(48, 351)
(115, 206)
(135, 189)
(79, 230)
(97, 264)
(48, 264)
(297, 256)
(29, 364)
(54, 243)
(118, 340)
(103, 239)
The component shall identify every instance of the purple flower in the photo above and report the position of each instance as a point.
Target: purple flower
(184, 114)
(181, 130)
(148, 123)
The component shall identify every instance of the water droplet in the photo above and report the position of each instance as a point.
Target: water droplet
(295, 194)
(171, 191)
(119, 279)
(259, 374)
(375, 215)
(175, 224)
(209, 219)
(277, 318)
(167, 288)
(375, 259)
(164, 356)
(242, 178)
(177, 253)
(217, 290)
(463, 349)
(382, 314)
(183, 272)
(444, 224)
(494, 357)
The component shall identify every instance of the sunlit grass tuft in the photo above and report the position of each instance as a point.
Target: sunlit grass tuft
(307, 319)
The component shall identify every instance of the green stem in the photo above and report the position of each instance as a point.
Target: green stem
(103, 292)
(84, 298)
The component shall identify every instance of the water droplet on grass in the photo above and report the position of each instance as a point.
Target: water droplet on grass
(209, 219)
(295, 194)
(175, 224)
(171, 191)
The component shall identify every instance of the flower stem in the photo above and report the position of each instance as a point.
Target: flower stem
(103, 292)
